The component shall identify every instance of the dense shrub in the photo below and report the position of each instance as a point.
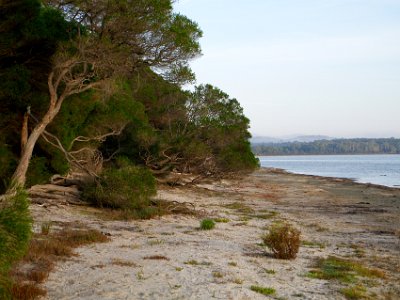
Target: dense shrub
(127, 187)
(283, 240)
(207, 224)
(38, 171)
(15, 231)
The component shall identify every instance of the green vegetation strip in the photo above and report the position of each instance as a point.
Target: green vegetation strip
(346, 272)
(263, 290)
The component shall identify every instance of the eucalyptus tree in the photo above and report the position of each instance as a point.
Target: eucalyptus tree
(109, 39)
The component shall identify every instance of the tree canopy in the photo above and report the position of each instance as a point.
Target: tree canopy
(85, 81)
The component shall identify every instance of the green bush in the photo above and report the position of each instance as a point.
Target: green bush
(38, 171)
(207, 224)
(283, 240)
(15, 231)
(128, 188)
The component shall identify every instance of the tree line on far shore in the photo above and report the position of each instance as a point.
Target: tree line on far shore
(330, 147)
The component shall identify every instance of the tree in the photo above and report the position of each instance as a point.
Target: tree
(109, 39)
(29, 35)
(219, 123)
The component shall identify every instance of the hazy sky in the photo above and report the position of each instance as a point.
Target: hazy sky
(329, 67)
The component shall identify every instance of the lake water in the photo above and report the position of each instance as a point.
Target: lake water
(377, 169)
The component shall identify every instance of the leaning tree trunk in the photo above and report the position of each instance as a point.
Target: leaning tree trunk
(19, 177)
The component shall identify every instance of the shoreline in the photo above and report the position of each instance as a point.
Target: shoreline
(336, 218)
(335, 179)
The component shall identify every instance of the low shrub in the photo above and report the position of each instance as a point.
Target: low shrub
(127, 188)
(207, 224)
(283, 240)
(15, 231)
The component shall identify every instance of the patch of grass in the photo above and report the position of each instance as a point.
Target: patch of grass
(178, 269)
(45, 228)
(133, 246)
(217, 274)
(313, 244)
(240, 207)
(342, 270)
(122, 263)
(155, 242)
(140, 275)
(266, 291)
(207, 224)
(241, 224)
(358, 251)
(266, 215)
(221, 220)
(283, 240)
(269, 271)
(156, 257)
(192, 262)
(237, 281)
(354, 292)
(167, 233)
(232, 264)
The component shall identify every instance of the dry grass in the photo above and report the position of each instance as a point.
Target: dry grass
(217, 274)
(27, 291)
(122, 263)
(156, 257)
(238, 281)
(240, 207)
(44, 251)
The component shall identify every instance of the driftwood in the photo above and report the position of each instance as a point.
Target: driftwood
(55, 194)
(175, 178)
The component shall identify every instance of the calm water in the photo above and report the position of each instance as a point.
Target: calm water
(377, 169)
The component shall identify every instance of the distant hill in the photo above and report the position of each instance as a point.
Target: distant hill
(329, 146)
(300, 138)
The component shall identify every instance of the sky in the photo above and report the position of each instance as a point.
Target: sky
(304, 67)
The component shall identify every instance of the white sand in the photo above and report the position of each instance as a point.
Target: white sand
(230, 258)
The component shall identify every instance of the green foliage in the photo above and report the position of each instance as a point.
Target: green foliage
(263, 290)
(218, 122)
(354, 292)
(15, 231)
(342, 270)
(221, 220)
(127, 187)
(38, 171)
(207, 224)
(7, 162)
(29, 34)
(283, 240)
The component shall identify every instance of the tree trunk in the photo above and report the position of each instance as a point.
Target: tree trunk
(24, 132)
(19, 177)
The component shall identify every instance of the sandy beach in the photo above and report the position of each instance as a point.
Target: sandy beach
(170, 258)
